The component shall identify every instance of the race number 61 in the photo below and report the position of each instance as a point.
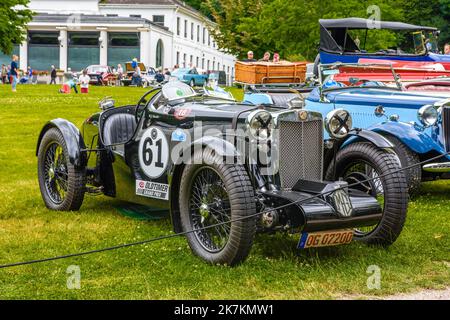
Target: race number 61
(153, 153)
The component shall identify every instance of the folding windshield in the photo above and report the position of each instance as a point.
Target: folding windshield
(355, 35)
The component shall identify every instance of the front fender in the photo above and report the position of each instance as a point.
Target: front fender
(220, 146)
(416, 140)
(72, 137)
(371, 136)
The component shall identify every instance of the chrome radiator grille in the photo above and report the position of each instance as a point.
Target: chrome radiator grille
(300, 152)
(446, 127)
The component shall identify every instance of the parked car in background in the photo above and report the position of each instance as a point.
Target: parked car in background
(147, 74)
(154, 153)
(417, 123)
(190, 76)
(99, 74)
(348, 40)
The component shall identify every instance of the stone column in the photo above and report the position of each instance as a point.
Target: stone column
(23, 63)
(103, 46)
(145, 46)
(63, 49)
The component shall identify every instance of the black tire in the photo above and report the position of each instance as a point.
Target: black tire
(62, 184)
(408, 159)
(386, 164)
(238, 196)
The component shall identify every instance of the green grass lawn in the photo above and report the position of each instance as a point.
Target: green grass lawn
(167, 270)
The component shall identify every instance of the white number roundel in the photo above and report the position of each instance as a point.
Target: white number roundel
(153, 152)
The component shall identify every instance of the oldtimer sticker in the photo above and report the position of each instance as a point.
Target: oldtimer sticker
(152, 190)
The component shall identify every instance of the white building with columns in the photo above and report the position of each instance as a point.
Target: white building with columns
(161, 33)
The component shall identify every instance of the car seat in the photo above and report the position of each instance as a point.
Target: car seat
(119, 128)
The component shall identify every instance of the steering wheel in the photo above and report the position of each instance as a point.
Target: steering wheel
(142, 104)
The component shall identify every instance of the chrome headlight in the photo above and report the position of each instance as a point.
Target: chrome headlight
(338, 123)
(260, 124)
(428, 115)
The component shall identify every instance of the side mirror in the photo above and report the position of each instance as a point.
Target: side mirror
(380, 112)
(106, 104)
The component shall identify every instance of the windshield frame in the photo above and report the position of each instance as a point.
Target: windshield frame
(395, 77)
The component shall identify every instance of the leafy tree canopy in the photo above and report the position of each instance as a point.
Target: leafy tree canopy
(14, 18)
(291, 27)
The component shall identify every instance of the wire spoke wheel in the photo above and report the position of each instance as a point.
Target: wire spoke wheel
(62, 184)
(210, 205)
(359, 172)
(56, 173)
(362, 161)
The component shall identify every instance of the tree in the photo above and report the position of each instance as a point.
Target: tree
(15, 17)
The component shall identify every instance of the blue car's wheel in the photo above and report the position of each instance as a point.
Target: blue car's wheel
(360, 162)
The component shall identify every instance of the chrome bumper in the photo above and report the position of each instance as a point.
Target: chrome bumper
(442, 167)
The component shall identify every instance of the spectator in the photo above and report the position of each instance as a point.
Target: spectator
(276, 57)
(136, 79)
(167, 74)
(4, 73)
(119, 72)
(84, 82)
(250, 57)
(134, 63)
(53, 75)
(447, 49)
(266, 57)
(14, 72)
(159, 77)
(68, 86)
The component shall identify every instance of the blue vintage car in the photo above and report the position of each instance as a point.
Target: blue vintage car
(416, 123)
(190, 76)
(348, 40)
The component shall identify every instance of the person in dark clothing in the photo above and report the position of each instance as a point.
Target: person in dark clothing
(14, 73)
(250, 57)
(53, 75)
(159, 77)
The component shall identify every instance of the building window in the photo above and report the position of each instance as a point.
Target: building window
(159, 20)
(191, 61)
(192, 31)
(214, 65)
(122, 47)
(178, 58)
(184, 60)
(218, 66)
(204, 35)
(209, 40)
(159, 54)
(198, 33)
(178, 26)
(207, 65)
(185, 28)
(84, 50)
(197, 62)
(6, 58)
(112, 15)
(203, 63)
(135, 16)
(43, 50)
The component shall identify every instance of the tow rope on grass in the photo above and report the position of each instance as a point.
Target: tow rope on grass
(169, 236)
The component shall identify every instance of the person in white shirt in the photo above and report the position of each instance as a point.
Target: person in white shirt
(84, 82)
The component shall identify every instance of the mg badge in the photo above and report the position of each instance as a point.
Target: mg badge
(302, 115)
(342, 203)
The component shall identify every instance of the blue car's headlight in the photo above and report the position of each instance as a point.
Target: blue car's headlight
(428, 115)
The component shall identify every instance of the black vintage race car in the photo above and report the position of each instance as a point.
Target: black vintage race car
(216, 164)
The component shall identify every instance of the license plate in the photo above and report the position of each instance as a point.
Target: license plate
(325, 239)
